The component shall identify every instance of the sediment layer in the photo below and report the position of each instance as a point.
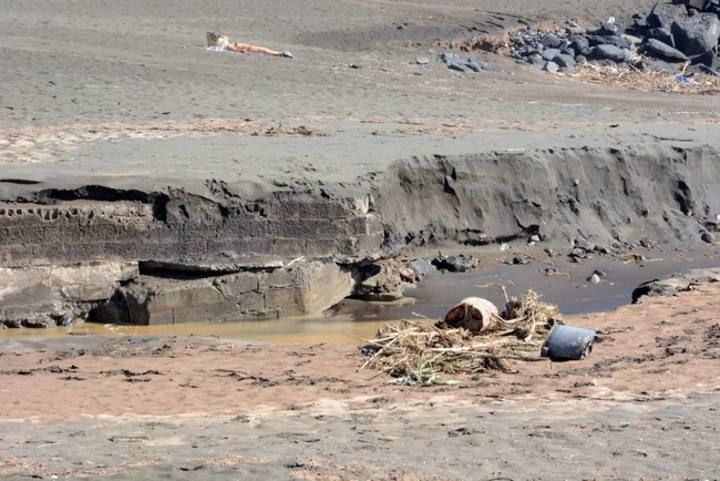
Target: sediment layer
(217, 253)
(666, 193)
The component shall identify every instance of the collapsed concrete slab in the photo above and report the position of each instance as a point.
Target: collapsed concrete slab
(304, 288)
(42, 296)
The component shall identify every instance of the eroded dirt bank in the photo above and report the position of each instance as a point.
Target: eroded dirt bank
(138, 408)
(224, 251)
(181, 184)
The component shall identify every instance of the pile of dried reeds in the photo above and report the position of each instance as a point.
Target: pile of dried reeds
(647, 81)
(420, 352)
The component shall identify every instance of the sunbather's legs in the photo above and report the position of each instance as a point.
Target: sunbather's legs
(246, 47)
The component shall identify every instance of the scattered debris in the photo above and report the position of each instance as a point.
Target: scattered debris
(475, 314)
(628, 76)
(631, 257)
(520, 261)
(418, 354)
(566, 343)
(600, 273)
(458, 263)
(554, 272)
(301, 131)
(465, 65)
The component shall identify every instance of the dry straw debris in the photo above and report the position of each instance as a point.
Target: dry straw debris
(647, 81)
(422, 352)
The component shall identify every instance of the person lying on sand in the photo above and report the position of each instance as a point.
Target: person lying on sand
(218, 42)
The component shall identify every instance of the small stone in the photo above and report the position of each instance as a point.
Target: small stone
(551, 41)
(608, 28)
(600, 273)
(707, 237)
(564, 60)
(455, 263)
(406, 274)
(585, 245)
(662, 34)
(595, 279)
(356, 66)
(551, 53)
(473, 65)
(631, 39)
(639, 20)
(655, 65)
(609, 52)
(602, 250)
(422, 267)
(520, 261)
(658, 49)
(422, 60)
(504, 247)
(551, 67)
(580, 44)
(535, 238)
(614, 40)
(536, 59)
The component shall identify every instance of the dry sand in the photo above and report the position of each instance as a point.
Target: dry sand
(98, 85)
(124, 91)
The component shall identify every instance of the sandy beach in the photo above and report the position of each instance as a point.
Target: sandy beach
(146, 180)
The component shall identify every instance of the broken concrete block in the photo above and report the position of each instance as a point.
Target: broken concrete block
(46, 293)
(304, 288)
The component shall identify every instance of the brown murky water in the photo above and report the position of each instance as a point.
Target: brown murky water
(353, 321)
(336, 330)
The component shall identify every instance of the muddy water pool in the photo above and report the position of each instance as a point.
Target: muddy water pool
(353, 321)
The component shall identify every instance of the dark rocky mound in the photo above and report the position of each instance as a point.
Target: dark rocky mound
(665, 39)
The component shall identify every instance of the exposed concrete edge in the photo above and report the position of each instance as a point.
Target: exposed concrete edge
(675, 283)
(658, 191)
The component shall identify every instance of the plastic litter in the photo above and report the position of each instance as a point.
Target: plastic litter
(567, 343)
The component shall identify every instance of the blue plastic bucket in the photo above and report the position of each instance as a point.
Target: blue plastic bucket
(567, 343)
